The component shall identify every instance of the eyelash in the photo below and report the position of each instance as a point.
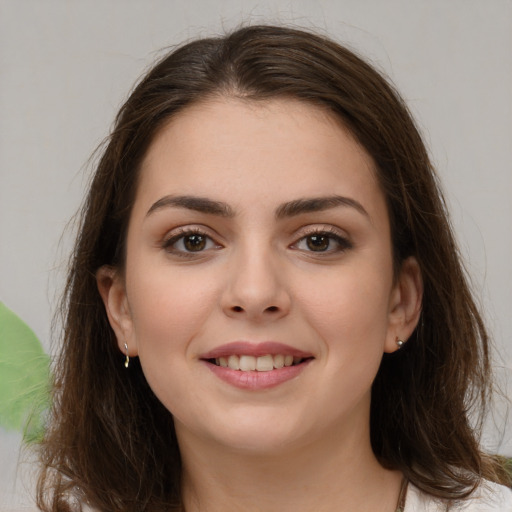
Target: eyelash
(182, 234)
(343, 243)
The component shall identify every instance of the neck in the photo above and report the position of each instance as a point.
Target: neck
(291, 479)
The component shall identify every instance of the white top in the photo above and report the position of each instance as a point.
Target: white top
(489, 497)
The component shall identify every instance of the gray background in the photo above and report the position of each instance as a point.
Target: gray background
(66, 66)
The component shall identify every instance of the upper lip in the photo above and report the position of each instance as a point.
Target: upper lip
(245, 348)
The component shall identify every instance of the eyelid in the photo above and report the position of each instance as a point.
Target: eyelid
(336, 234)
(180, 232)
(314, 229)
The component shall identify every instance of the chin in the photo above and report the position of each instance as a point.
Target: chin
(259, 443)
(252, 434)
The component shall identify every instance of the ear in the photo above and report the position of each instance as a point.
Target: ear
(405, 304)
(112, 289)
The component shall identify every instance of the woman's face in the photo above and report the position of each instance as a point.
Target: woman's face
(258, 291)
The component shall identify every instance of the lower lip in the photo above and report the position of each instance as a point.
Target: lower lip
(254, 380)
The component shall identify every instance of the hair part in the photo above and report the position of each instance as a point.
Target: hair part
(110, 442)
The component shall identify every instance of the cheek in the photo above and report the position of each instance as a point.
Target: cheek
(349, 315)
(168, 308)
(168, 311)
(352, 303)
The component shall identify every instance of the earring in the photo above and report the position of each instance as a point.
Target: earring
(127, 361)
(400, 343)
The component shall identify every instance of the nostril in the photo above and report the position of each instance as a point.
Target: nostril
(272, 309)
(237, 309)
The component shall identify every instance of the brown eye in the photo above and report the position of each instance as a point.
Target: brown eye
(194, 243)
(323, 242)
(189, 242)
(318, 243)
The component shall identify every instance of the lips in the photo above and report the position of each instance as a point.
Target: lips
(240, 348)
(256, 366)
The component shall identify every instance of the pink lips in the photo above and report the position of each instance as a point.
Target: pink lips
(254, 349)
(256, 380)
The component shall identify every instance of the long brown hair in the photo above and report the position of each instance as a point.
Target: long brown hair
(110, 443)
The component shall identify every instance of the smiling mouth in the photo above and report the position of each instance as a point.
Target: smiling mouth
(266, 363)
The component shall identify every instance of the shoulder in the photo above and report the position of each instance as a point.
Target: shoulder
(489, 497)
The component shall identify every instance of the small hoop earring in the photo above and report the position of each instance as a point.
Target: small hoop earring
(127, 361)
(400, 343)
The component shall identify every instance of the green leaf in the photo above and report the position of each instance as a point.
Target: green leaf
(24, 377)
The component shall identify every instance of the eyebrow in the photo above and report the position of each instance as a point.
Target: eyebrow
(198, 204)
(317, 204)
(289, 209)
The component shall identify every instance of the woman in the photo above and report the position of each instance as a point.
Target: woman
(266, 308)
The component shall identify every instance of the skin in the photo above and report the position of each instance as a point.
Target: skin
(260, 277)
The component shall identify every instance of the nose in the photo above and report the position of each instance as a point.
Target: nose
(256, 288)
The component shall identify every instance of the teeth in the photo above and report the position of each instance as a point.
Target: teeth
(234, 362)
(261, 364)
(247, 363)
(265, 363)
(278, 361)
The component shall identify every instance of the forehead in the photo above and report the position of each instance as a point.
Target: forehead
(282, 148)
